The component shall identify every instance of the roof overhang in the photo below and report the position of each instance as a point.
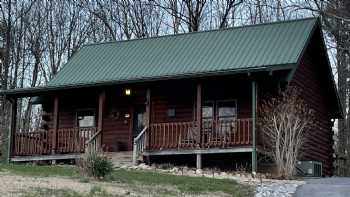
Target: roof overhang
(37, 91)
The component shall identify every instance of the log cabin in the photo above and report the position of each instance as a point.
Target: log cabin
(192, 95)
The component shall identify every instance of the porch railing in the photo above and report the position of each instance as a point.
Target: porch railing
(172, 135)
(69, 140)
(226, 133)
(73, 140)
(93, 142)
(139, 145)
(33, 143)
(220, 133)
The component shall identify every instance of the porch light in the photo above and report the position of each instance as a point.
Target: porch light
(127, 92)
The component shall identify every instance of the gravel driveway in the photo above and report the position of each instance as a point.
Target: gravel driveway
(325, 187)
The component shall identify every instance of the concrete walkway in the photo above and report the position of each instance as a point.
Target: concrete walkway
(325, 187)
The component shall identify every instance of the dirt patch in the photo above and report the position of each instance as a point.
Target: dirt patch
(16, 185)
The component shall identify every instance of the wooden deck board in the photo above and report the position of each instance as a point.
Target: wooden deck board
(199, 151)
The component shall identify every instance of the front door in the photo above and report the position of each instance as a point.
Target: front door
(138, 120)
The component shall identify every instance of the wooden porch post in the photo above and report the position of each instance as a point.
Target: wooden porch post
(148, 115)
(101, 106)
(199, 112)
(55, 124)
(254, 106)
(12, 131)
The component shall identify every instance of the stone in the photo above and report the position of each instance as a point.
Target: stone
(223, 174)
(199, 171)
(143, 166)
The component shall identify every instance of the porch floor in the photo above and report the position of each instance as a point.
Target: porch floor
(243, 149)
(45, 157)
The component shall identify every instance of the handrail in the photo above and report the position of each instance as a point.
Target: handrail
(92, 143)
(94, 136)
(140, 134)
(139, 145)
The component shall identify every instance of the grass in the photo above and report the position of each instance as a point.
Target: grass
(40, 171)
(193, 185)
(138, 180)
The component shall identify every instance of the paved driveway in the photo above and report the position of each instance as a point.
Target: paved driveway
(325, 187)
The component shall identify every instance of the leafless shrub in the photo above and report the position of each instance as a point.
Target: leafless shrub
(284, 122)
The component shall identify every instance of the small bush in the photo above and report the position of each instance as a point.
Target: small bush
(95, 165)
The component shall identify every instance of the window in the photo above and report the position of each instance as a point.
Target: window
(207, 116)
(207, 110)
(226, 110)
(86, 118)
(226, 114)
(171, 112)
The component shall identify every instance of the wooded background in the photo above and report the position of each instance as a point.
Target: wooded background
(38, 36)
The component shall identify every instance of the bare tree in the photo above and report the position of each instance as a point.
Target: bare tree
(284, 122)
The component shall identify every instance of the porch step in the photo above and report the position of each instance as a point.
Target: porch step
(122, 158)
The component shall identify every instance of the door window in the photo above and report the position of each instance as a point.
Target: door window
(139, 121)
(226, 114)
(207, 116)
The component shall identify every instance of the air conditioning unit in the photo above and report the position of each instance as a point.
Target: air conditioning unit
(309, 168)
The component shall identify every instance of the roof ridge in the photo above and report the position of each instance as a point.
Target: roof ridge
(204, 31)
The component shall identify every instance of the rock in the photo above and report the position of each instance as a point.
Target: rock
(143, 166)
(249, 176)
(224, 174)
(199, 171)
(174, 170)
(258, 195)
(277, 188)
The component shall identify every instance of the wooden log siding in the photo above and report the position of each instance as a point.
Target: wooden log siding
(310, 79)
(224, 133)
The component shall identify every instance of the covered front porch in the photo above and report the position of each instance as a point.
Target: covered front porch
(173, 117)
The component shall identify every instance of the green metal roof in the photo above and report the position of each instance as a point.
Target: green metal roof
(192, 54)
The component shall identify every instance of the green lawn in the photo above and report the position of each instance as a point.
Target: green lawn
(135, 178)
(183, 183)
(40, 171)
